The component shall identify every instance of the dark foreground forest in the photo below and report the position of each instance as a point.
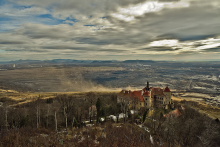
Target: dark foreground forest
(66, 121)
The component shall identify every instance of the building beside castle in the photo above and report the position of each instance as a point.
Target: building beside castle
(148, 97)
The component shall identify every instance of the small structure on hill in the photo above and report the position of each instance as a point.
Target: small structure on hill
(146, 98)
(175, 113)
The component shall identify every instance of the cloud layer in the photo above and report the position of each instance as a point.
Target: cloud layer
(105, 30)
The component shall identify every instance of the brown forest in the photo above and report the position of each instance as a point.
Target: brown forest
(64, 121)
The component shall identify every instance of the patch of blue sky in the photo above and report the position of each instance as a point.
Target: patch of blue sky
(5, 18)
(97, 27)
(10, 22)
(2, 51)
(72, 19)
(2, 2)
(50, 20)
(89, 25)
(6, 26)
(21, 7)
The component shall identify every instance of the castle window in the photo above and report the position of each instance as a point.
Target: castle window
(146, 99)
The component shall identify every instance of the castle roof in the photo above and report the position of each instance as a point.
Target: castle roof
(146, 93)
(125, 93)
(138, 94)
(167, 89)
(157, 91)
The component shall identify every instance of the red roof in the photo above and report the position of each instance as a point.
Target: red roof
(125, 93)
(138, 94)
(134, 94)
(167, 89)
(146, 93)
(175, 113)
(157, 91)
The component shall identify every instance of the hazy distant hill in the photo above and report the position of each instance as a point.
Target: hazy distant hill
(102, 62)
(139, 61)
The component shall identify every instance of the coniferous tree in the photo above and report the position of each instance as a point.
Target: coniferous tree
(145, 114)
(98, 107)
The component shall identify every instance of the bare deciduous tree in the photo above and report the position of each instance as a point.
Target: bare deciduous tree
(124, 102)
(211, 132)
(91, 99)
(67, 106)
(55, 115)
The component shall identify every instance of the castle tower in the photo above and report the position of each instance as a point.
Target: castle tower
(148, 88)
(167, 93)
(147, 99)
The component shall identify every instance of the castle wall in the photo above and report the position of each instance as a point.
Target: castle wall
(147, 100)
(167, 97)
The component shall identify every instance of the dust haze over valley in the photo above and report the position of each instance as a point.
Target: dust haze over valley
(186, 79)
(52, 79)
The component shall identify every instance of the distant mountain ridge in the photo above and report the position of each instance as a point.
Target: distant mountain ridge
(78, 61)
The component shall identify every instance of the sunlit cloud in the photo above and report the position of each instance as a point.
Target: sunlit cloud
(123, 17)
(164, 43)
(151, 6)
(127, 14)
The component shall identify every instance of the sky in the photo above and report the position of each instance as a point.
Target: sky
(172, 30)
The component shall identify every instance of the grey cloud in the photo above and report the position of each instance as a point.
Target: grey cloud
(39, 31)
(75, 8)
(188, 37)
(65, 47)
(112, 50)
(183, 24)
(24, 49)
(186, 53)
(160, 48)
(197, 44)
(82, 49)
(198, 21)
(12, 42)
(100, 40)
(215, 49)
(168, 0)
(188, 23)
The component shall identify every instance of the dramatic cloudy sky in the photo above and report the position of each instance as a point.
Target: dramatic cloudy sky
(110, 29)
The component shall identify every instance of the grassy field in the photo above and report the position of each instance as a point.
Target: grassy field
(13, 98)
(211, 111)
